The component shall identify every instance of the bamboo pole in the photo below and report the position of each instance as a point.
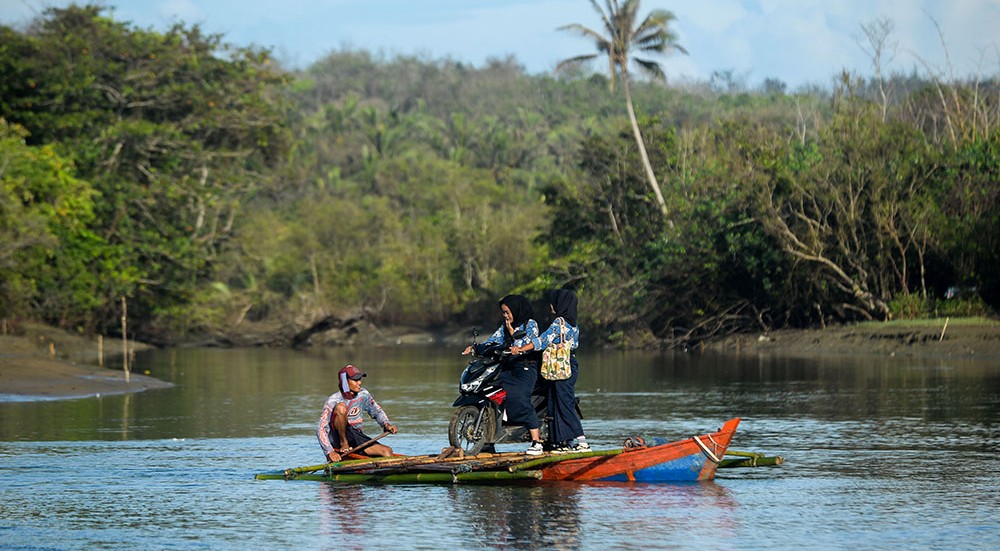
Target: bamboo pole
(433, 459)
(744, 454)
(125, 340)
(100, 351)
(396, 462)
(943, 329)
(752, 462)
(346, 464)
(462, 465)
(557, 458)
(410, 478)
(410, 468)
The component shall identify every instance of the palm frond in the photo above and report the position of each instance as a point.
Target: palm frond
(575, 61)
(606, 17)
(654, 34)
(650, 43)
(586, 32)
(625, 22)
(656, 20)
(651, 68)
(622, 36)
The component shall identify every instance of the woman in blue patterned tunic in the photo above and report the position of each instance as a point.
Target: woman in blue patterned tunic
(518, 373)
(565, 425)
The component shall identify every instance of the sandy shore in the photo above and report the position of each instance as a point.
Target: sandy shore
(46, 363)
(971, 338)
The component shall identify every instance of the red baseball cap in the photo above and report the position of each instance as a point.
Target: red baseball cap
(353, 372)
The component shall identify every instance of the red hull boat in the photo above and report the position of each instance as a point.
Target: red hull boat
(639, 460)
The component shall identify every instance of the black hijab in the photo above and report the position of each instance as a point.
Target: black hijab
(520, 309)
(564, 302)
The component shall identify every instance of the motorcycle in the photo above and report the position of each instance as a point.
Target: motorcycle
(479, 422)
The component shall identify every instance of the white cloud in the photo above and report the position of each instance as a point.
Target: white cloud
(798, 41)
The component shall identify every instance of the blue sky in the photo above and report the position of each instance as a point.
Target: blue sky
(798, 41)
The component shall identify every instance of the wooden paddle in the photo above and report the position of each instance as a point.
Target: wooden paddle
(407, 461)
(364, 445)
(359, 447)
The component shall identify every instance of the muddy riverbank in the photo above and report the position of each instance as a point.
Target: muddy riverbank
(46, 363)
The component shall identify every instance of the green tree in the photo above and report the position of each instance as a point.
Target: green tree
(49, 257)
(622, 35)
(176, 130)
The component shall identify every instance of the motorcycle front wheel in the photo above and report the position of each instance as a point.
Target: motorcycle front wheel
(463, 433)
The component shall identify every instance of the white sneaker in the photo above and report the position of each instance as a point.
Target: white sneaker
(580, 447)
(534, 449)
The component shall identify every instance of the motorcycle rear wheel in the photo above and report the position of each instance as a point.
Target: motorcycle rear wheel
(462, 432)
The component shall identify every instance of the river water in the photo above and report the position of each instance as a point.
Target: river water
(886, 453)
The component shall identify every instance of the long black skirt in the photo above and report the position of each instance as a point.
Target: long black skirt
(518, 381)
(562, 407)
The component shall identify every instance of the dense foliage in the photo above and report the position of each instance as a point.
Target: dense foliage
(215, 190)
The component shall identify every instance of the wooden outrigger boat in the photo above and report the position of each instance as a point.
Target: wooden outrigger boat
(689, 460)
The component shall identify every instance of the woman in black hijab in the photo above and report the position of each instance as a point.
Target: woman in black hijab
(519, 373)
(565, 426)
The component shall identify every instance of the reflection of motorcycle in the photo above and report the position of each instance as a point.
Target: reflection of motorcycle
(478, 423)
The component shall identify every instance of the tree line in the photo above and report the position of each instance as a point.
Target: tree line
(222, 193)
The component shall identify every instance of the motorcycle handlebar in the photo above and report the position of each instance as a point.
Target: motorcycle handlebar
(491, 351)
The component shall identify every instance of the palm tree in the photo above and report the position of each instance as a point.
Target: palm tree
(621, 37)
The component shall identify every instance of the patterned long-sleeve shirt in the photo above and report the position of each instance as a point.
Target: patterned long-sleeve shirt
(530, 331)
(553, 335)
(362, 402)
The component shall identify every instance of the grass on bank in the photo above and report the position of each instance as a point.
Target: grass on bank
(971, 321)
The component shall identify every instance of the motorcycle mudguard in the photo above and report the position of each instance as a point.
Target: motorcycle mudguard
(468, 400)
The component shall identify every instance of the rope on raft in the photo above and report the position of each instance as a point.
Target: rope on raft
(704, 448)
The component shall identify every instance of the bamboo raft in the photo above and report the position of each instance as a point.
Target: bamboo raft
(692, 459)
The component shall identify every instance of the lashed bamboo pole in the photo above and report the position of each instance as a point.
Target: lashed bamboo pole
(462, 465)
(394, 461)
(513, 462)
(751, 462)
(557, 458)
(409, 478)
(744, 454)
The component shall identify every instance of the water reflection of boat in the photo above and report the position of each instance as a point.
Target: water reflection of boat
(518, 516)
(688, 460)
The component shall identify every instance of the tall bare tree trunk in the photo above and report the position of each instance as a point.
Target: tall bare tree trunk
(650, 176)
